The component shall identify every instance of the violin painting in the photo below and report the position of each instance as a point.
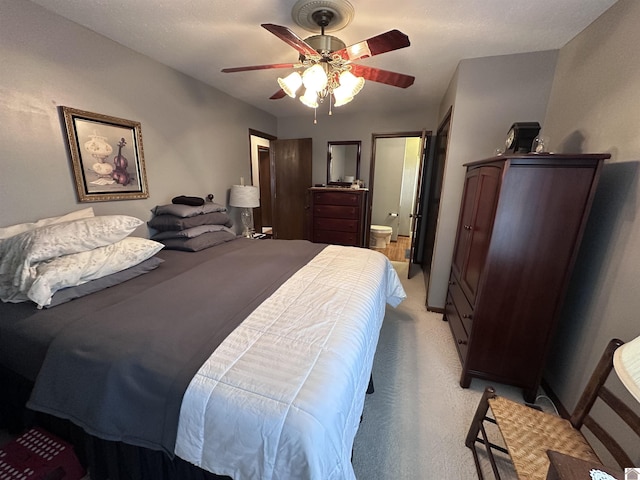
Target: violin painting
(99, 174)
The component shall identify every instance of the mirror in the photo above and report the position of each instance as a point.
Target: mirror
(343, 162)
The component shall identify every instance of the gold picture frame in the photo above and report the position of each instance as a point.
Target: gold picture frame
(107, 157)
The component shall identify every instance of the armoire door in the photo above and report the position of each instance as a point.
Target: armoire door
(290, 181)
(476, 222)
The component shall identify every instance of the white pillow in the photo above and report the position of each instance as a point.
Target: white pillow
(20, 254)
(78, 268)
(12, 230)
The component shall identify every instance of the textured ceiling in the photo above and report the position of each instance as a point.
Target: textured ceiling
(200, 37)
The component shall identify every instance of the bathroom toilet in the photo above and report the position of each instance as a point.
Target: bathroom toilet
(380, 236)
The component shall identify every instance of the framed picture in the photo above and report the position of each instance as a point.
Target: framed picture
(106, 156)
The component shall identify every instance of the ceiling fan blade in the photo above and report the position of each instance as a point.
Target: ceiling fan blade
(290, 38)
(385, 42)
(383, 76)
(258, 67)
(278, 95)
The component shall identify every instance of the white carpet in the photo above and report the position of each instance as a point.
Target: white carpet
(416, 421)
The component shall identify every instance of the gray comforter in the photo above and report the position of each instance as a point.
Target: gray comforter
(117, 362)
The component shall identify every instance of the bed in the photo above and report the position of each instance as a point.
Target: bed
(249, 359)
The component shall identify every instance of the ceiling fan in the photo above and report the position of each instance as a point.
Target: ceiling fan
(326, 62)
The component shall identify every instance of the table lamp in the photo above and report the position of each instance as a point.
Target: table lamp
(246, 197)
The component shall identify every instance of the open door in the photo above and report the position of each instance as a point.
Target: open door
(433, 187)
(416, 215)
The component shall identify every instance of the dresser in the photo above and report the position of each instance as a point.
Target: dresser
(521, 221)
(338, 215)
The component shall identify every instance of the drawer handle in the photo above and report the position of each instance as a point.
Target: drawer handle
(451, 282)
(466, 315)
(467, 227)
(462, 342)
(449, 303)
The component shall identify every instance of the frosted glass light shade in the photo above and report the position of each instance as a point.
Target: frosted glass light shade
(342, 96)
(315, 78)
(290, 84)
(310, 98)
(351, 82)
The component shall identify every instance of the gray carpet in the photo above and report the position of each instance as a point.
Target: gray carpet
(416, 421)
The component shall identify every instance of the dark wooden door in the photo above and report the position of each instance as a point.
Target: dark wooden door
(290, 180)
(433, 192)
(418, 207)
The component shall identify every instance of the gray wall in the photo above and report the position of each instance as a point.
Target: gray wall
(594, 107)
(488, 95)
(195, 138)
(342, 126)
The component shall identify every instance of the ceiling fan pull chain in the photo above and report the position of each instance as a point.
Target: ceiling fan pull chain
(315, 118)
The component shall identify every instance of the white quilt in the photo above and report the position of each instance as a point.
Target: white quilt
(281, 397)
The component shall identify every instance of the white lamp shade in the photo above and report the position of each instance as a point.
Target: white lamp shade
(626, 361)
(315, 78)
(290, 84)
(246, 196)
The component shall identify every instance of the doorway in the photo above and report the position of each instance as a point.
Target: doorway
(259, 143)
(396, 167)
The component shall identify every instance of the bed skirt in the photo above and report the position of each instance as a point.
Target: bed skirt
(105, 460)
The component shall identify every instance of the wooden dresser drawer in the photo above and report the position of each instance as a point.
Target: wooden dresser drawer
(338, 215)
(336, 198)
(336, 211)
(464, 308)
(455, 323)
(335, 237)
(336, 224)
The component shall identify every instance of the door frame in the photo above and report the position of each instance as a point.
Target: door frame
(372, 170)
(254, 158)
(434, 186)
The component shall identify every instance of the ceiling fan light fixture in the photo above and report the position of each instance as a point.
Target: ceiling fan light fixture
(290, 84)
(310, 98)
(315, 78)
(325, 64)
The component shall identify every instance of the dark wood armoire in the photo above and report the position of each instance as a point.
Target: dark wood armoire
(521, 221)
